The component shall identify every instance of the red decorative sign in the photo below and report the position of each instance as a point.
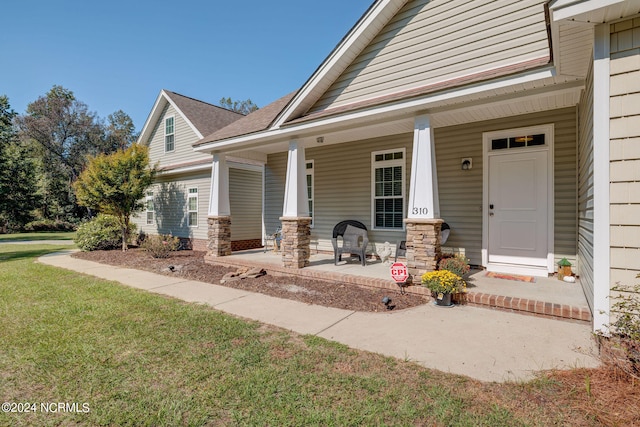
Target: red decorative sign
(399, 272)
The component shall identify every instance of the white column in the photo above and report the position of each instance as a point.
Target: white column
(601, 144)
(423, 188)
(295, 194)
(219, 199)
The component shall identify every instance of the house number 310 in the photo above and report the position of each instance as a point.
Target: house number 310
(420, 211)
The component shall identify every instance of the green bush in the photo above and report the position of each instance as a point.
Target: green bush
(160, 245)
(457, 264)
(101, 233)
(49, 225)
(625, 330)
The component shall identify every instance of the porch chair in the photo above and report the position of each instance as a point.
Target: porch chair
(273, 239)
(350, 237)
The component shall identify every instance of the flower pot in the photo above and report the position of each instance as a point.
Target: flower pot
(444, 300)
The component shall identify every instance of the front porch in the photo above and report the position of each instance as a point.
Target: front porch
(546, 297)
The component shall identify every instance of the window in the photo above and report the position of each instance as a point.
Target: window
(150, 208)
(517, 142)
(169, 134)
(388, 189)
(309, 169)
(192, 207)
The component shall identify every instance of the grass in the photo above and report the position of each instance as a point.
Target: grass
(18, 237)
(136, 358)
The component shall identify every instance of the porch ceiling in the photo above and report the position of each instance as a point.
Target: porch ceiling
(525, 98)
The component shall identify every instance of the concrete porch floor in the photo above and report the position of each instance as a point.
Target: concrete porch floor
(547, 297)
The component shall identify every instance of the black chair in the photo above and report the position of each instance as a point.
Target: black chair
(353, 240)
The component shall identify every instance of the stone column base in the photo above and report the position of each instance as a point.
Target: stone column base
(219, 234)
(423, 245)
(296, 239)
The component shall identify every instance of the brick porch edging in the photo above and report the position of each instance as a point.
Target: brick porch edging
(516, 305)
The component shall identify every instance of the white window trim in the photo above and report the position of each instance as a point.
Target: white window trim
(149, 197)
(191, 195)
(399, 162)
(164, 126)
(313, 187)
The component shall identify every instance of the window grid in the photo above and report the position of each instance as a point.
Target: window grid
(150, 208)
(169, 134)
(310, 179)
(388, 189)
(192, 207)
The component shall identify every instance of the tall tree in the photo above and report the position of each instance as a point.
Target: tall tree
(242, 107)
(18, 196)
(62, 132)
(115, 184)
(120, 132)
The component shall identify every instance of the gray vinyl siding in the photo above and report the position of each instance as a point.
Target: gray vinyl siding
(460, 191)
(625, 151)
(342, 187)
(275, 175)
(170, 200)
(432, 41)
(245, 198)
(585, 189)
(185, 136)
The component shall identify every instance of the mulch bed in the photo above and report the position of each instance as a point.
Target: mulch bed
(190, 265)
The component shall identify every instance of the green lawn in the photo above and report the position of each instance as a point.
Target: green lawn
(126, 357)
(37, 236)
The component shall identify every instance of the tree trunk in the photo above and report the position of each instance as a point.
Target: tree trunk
(125, 230)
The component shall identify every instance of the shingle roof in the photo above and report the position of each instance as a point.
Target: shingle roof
(207, 118)
(257, 121)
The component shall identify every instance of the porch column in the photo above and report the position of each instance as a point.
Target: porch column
(601, 180)
(219, 218)
(423, 221)
(296, 222)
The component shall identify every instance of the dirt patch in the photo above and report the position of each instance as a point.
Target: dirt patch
(190, 265)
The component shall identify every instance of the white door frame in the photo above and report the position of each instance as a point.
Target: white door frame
(548, 130)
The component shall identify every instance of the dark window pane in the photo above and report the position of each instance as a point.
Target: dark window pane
(388, 156)
(379, 220)
(398, 205)
(397, 155)
(518, 141)
(499, 144)
(537, 140)
(397, 221)
(388, 205)
(379, 205)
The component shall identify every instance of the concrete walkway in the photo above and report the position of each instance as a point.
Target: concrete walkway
(484, 344)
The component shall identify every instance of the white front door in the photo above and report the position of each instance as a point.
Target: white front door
(518, 212)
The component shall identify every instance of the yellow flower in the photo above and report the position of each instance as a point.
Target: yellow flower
(443, 281)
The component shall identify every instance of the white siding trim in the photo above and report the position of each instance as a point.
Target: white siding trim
(276, 134)
(601, 185)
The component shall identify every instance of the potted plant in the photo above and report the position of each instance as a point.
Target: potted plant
(457, 264)
(443, 284)
(564, 268)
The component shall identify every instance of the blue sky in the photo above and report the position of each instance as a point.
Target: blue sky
(119, 54)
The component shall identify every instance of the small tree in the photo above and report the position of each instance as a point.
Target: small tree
(115, 184)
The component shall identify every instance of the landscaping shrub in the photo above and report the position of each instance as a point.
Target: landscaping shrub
(160, 245)
(457, 264)
(624, 342)
(101, 233)
(49, 225)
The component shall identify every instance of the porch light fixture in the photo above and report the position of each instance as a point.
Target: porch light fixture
(320, 139)
(466, 164)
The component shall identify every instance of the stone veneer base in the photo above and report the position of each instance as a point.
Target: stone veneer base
(296, 240)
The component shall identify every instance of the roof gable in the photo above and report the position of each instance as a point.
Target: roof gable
(201, 117)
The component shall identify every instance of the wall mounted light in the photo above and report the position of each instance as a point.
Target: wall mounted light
(466, 164)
